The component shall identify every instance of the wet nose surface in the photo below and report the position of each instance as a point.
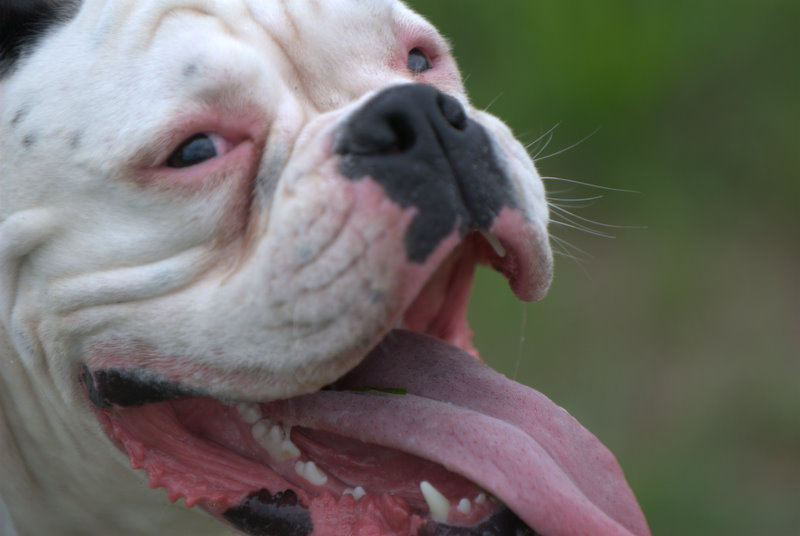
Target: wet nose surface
(422, 147)
(398, 119)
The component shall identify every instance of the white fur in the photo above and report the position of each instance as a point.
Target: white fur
(91, 253)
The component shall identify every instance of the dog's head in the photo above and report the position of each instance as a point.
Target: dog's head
(241, 235)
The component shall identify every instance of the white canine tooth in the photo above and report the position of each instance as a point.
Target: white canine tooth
(495, 243)
(311, 472)
(249, 413)
(357, 493)
(481, 498)
(437, 503)
(465, 506)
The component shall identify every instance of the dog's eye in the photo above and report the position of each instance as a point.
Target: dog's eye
(194, 151)
(418, 62)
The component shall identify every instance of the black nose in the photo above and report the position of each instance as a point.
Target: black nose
(402, 119)
(422, 147)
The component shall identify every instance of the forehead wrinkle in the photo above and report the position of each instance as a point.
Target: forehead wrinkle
(220, 12)
(294, 30)
(144, 24)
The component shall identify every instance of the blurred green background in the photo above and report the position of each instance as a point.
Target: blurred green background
(677, 344)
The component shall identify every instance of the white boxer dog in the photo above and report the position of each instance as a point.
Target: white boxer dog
(237, 239)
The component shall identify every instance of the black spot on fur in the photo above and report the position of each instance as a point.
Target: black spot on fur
(419, 144)
(264, 514)
(76, 140)
(29, 141)
(23, 22)
(20, 114)
(190, 69)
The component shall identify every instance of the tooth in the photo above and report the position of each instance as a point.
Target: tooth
(289, 450)
(275, 440)
(495, 243)
(357, 493)
(465, 506)
(249, 413)
(260, 430)
(311, 472)
(437, 503)
(481, 498)
(276, 436)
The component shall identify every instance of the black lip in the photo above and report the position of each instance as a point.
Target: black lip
(129, 388)
(264, 514)
(282, 514)
(503, 523)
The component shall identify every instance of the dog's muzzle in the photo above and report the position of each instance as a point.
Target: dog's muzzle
(419, 144)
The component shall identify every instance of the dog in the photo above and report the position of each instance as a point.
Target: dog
(237, 241)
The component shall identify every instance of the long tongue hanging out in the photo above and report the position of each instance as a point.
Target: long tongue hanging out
(505, 437)
(471, 424)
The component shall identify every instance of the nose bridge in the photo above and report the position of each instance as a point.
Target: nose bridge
(420, 145)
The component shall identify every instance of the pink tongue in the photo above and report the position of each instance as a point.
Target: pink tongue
(507, 438)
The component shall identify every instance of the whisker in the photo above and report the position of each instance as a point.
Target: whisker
(567, 215)
(491, 103)
(571, 250)
(559, 200)
(562, 248)
(547, 134)
(579, 227)
(564, 150)
(572, 203)
(545, 145)
(590, 185)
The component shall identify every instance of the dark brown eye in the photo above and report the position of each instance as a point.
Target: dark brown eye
(194, 151)
(418, 62)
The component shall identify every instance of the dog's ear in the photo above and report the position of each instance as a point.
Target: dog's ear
(22, 22)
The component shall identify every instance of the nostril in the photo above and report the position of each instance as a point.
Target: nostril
(405, 135)
(377, 137)
(391, 133)
(452, 110)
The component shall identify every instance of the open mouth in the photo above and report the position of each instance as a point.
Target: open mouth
(421, 438)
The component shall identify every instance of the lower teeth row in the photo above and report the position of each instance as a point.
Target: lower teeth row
(275, 440)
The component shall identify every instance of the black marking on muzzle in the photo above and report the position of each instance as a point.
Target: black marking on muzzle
(264, 514)
(128, 388)
(503, 523)
(419, 144)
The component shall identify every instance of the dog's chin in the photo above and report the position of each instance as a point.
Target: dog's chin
(420, 438)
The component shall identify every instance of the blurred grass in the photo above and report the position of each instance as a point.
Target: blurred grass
(678, 344)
